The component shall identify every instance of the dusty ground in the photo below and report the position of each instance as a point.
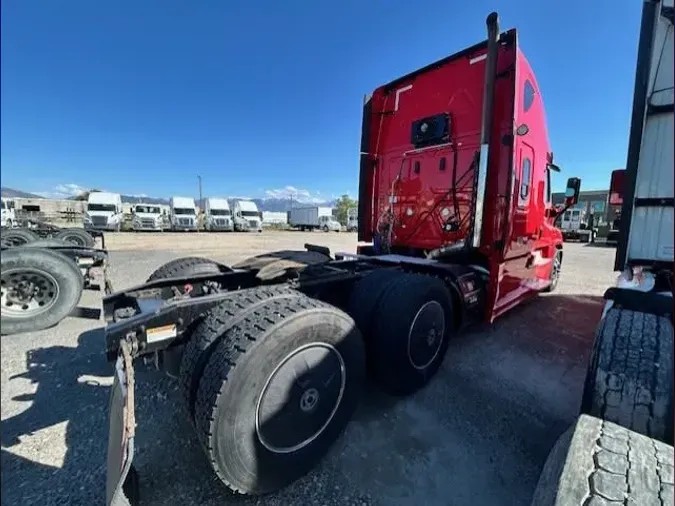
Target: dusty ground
(477, 435)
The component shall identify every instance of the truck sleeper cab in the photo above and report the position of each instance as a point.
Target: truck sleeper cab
(455, 199)
(147, 217)
(104, 211)
(183, 214)
(247, 217)
(218, 216)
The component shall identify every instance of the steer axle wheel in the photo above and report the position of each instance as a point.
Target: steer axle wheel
(39, 288)
(277, 391)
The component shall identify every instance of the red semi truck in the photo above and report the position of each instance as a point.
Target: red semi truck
(271, 354)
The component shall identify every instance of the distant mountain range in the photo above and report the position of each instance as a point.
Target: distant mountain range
(268, 204)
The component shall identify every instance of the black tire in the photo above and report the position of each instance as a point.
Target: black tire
(76, 236)
(630, 374)
(18, 237)
(185, 266)
(325, 228)
(198, 349)
(234, 385)
(413, 323)
(556, 268)
(366, 295)
(51, 271)
(597, 462)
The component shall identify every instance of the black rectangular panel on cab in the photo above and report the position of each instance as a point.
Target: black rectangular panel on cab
(430, 131)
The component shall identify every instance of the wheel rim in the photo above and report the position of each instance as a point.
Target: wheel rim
(300, 398)
(426, 335)
(27, 293)
(74, 239)
(555, 270)
(15, 240)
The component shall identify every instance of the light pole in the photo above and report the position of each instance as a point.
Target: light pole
(200, 191)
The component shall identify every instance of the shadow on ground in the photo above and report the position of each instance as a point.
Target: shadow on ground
(63, 394)
(479, 432)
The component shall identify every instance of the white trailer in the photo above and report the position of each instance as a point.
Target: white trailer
(183, 213)
(311, 218)
(104, 211)
(147, 217)
(627, 401)
(246, 216)
(218, 216)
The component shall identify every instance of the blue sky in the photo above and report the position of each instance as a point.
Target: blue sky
(140, 97)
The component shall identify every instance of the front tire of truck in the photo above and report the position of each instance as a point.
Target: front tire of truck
(277, 391)
(213, 326)
(413, 324)
(598, 462)
(554, 277)
(630, 374)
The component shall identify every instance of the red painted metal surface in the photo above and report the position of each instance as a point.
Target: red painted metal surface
(417, 189)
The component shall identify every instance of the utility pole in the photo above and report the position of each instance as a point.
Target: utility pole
(201, 204)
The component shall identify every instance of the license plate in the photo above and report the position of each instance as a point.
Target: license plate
(122, 433)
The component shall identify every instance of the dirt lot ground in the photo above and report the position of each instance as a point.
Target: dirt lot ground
(477, 435)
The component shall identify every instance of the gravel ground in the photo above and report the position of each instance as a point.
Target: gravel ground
(477, 435)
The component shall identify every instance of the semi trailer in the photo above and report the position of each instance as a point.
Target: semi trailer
(620, 450)
(271, 354)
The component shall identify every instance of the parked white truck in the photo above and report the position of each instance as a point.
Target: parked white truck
(8, 215)
(218, 216)
(246, 216)
(352, 219)
(575, 226)
(311, 218)
(104, 211)
(147, 217)
(183, 214)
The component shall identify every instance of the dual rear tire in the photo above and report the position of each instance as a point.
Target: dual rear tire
(270, 377)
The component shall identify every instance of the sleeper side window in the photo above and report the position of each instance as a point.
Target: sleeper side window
(528, 96)
(525, 182)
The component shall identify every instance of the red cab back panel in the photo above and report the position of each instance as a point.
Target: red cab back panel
(421, 134)
(616, 187)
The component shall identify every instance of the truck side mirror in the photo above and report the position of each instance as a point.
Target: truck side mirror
(572, 191)
(552, 167)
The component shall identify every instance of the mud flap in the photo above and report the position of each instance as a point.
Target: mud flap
(121, 483)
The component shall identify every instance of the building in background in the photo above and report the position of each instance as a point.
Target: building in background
(62, 212)
(591, 202)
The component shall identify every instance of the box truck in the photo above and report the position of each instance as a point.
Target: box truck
(311, 218)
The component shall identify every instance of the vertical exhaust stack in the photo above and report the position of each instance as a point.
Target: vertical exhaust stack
(486, 127)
